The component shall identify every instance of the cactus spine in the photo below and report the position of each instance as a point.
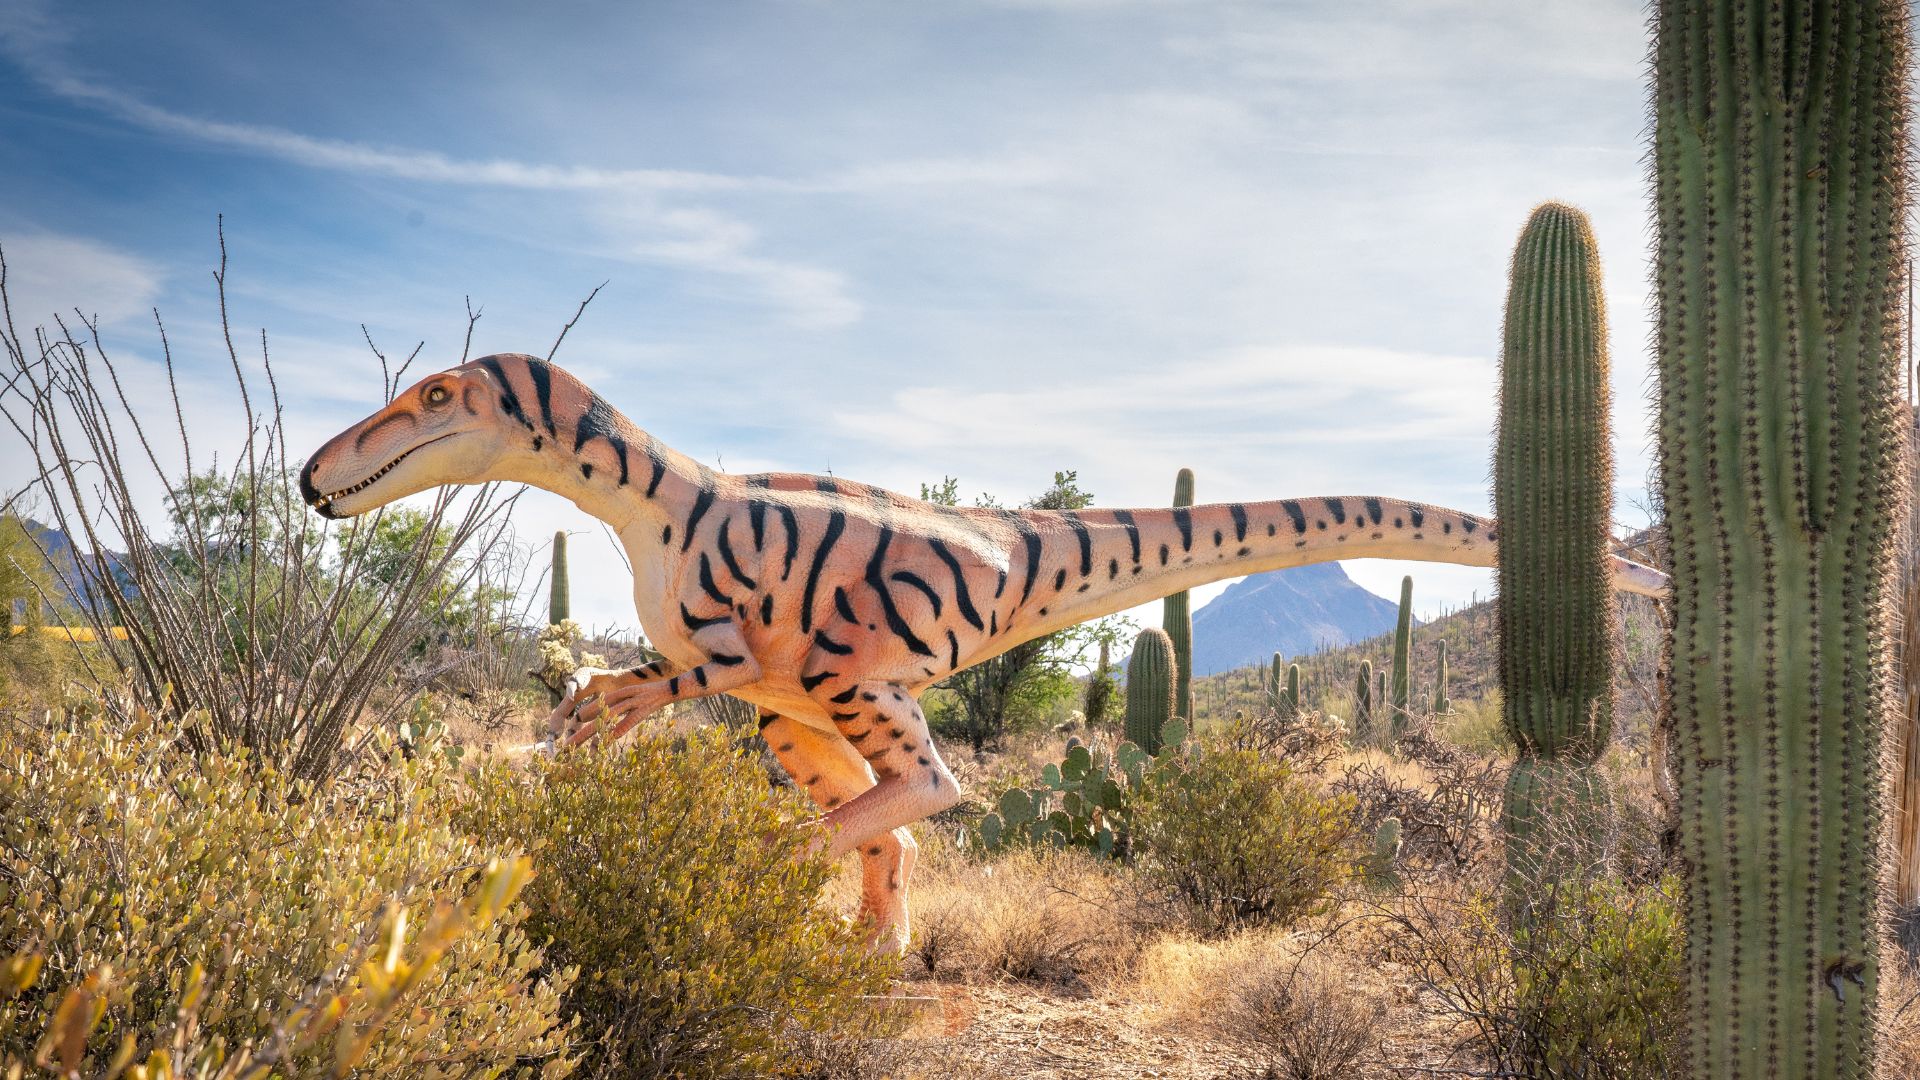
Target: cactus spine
(1150, 683)
(1442, 704)
(1403, 661)
(1552, 494)
(559, 606)
(1780, 153)
(1178, 620)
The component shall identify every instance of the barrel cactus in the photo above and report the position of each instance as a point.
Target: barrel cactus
(1552, 494)
(1150, 689)
(1781, 194)
(559, 596)
(1177, 618)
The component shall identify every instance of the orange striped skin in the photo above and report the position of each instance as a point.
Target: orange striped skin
(830, 604)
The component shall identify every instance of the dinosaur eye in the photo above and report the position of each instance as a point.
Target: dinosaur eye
(438, 395)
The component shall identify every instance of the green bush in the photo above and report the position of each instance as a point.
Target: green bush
(197, 913)
(670, 875)
(1234, 838)
(1598, 991)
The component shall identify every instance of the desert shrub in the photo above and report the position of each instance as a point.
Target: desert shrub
(208, 906)
(1588, 987)
(1899, 1021)
(1475, 727)
(1233, 838)
(672, 876)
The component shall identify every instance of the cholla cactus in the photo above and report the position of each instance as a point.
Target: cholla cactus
(557, 660)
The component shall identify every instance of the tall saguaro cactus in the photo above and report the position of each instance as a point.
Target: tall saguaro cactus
(1552, 494)
(559, 595)
(1177, 619)
(1403, 662)
(1780, 151)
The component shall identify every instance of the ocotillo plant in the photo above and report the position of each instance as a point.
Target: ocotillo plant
(1150, 681)
(1552, 494)
(559, 597)
(1781, 192)
(1178, 620)
(1403, 661)
(1442, 704)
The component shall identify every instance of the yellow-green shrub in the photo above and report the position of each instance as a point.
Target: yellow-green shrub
(1234, 838)
(1598, 988)
(670, 874)
(207, 907)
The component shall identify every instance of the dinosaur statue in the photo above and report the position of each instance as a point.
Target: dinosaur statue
(833, 605)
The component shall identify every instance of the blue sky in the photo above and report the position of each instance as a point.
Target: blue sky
(892, 241)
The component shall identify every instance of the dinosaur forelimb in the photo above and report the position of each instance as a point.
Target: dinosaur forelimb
(729, 666)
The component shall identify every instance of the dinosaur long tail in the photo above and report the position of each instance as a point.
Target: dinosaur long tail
(1151, 553)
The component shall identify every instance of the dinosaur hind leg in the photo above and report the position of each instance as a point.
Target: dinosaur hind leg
(883, 723)
(831, 772)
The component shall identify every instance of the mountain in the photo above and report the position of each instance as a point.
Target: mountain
(62, 557)
(1293, 611)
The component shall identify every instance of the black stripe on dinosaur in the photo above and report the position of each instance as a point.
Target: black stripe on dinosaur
(707, 584)
(961, 598)
(846, 695)
(1086, 541)
(793, 538)
(726, 659)
(827, 484)
(1125, 518)
(697, 624)
(953, 651)
(1295, 515)
(659, 462)
(1031, 537)
(1416, 515)
(598, 423)
(1373, 508)
(757, 521)
(876, 580)
(509, 398)
(908, 577)
(1183, 519)
(821, 639)
(1239, 513)
(1338, 509)
(810, 683)
(844, 606)
(726, 556)
(1467, 524)
(542, 376)
(766, 609)
(835, 523)
(701, 503)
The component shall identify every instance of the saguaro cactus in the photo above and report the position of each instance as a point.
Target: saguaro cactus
(1178, 619)
(1441, 702)
(1780, 153)
(559, 596)
(1552, 494)
(1403, 660)
(1150, 682)
(1363, 698)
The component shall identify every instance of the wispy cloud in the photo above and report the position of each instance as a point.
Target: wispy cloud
(47, 273)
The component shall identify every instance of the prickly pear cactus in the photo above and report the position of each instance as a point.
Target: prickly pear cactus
(1782, 199)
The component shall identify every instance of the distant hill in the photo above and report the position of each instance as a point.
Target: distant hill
(1296, 611)
(61, 554)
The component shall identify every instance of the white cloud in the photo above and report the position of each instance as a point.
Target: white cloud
(49, 273)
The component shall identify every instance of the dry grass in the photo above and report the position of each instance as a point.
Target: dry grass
(1292, 1009)
(1899, 1021)
(1046, 916)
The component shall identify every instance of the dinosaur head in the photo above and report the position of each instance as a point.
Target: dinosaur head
(449, 428)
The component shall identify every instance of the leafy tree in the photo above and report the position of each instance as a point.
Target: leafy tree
(1023, 686)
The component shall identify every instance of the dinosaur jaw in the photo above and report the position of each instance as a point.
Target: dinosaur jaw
(404, 475)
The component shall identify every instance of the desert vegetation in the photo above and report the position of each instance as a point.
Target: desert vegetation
(259, 814)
